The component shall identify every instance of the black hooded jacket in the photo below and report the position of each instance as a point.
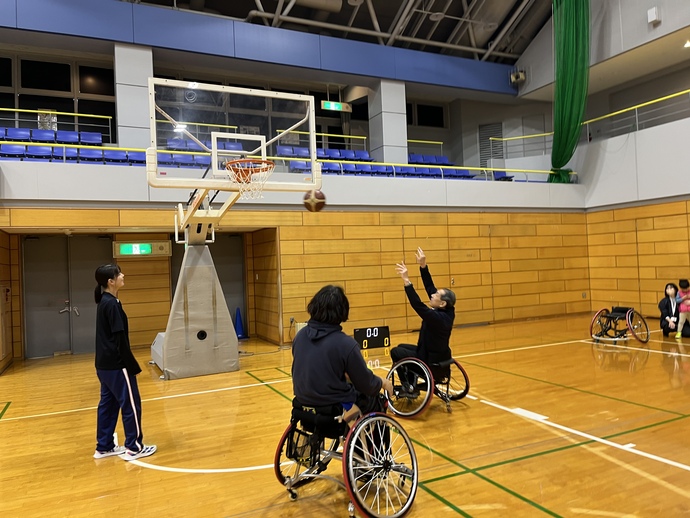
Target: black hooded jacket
(322, 356)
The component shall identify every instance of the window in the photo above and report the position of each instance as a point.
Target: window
(429, 115)
(490, 148)
(93, 80)
(5, 72)
(44, 75)
(409, 109)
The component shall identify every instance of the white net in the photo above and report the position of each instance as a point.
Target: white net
(250, 175)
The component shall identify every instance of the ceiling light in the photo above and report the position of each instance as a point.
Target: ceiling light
(180, 127)
(436, 17)
(355, 3)
(687, 44)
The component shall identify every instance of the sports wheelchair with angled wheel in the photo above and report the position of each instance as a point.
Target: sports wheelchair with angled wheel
(611, 327)
(414, 382)
(379, 465)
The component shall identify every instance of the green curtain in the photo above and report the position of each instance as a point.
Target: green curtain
(571, 70)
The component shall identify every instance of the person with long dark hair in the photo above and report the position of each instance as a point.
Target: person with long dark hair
(117, 369)
(328, 367)
(670, 307)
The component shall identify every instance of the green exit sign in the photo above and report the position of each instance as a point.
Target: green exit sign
(336, 107)
(135, 248)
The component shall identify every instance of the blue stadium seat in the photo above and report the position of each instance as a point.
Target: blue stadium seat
(67, 137)
(349, 168)
(165, 159)
(202, 160)
(176, 144)
(61, 153)
(421, 171)
(115, 157)
(42, 135)
(300, 152)
(363, 155)
(90, 138)
(38, 153)
(321, 153)
(435, 172)
(299, 166)
(414, 158)
(181, 160)
(386, 170)
(193, 146)
(458, 173)
(19, 134)
(443, 160)
(429, 159)
(284, 151)
(233, 146)
(333, 153)
(502, 176)
(405, 171)
(363, 169)
(347, 154)
(136, 157)
(12, 151)
(90, 155)
(2, 133)
(330, 167)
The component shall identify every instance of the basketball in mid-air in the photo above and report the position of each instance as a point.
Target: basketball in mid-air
(314, 201)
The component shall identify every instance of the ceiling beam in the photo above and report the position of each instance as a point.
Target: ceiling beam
(374, 20)
(506, 28)
(402, 20)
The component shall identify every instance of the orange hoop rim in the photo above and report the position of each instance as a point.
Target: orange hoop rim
(244, 168)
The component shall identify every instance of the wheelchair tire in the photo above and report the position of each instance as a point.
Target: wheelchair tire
(459, 384)
(599, 325)
(410, 399)
(637, 326)
(285, 468)
(380, 467)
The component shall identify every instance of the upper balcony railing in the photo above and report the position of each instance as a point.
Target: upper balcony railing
(55, 120)
(646, 115)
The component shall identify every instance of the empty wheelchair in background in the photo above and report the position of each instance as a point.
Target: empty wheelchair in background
(609, 330)
(415, 382)
(379, 465)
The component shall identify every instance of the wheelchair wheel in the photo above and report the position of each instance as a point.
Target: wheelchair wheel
(599, 324)
(412, 387)
(639, 358)
(380, 467)
(638, 326)
(292, 468)
(458, 385)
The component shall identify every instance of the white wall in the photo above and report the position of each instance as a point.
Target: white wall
(617, 26)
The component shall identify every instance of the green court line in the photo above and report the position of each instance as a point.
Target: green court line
(270, 386)
(443, 500)
(487, 479)
(289, 375)
(507, 490)
(7, 405)
(575, 389)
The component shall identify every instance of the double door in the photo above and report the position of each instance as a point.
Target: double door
(59, 306)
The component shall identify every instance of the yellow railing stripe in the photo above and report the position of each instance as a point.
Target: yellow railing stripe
(58, 113)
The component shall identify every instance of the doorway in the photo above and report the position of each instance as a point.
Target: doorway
(59, 308)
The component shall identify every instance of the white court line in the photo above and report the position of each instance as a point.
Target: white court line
(197, 470)
(545, 421)
(628, 348)
(211, 391)
(500, 351)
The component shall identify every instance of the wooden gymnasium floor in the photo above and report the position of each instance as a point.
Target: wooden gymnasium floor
(614, 444)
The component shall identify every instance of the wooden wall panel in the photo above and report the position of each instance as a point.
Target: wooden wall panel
(266, 278)
(146, 296)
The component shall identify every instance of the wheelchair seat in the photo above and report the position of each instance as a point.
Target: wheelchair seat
(618, 312)
(441, 370)
(319, 420)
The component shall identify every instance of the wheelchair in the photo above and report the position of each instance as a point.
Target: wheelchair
(414, 382)
(379, 465)
(609, 327)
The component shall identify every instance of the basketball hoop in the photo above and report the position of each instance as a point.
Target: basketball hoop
(250, 175)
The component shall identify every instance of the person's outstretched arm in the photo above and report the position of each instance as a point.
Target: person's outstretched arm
(424, 272)
(420, 308)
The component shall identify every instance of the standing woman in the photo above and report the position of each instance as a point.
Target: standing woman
(116, 368)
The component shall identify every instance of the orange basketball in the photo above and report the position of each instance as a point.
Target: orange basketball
(314, 201)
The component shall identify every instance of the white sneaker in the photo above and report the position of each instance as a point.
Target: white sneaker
(117, 450)
(144, 452)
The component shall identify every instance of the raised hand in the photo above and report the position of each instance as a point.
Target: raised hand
(421, 258)
(402, 271)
